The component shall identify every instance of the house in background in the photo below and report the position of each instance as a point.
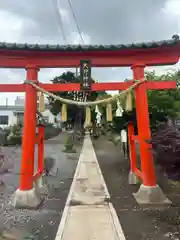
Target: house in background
(14, 114)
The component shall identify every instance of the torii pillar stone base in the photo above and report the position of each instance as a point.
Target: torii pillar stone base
(27, 199)
(151, 195)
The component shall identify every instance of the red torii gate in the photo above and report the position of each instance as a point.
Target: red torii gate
(137, 56)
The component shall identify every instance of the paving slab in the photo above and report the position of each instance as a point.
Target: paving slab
(90, 222)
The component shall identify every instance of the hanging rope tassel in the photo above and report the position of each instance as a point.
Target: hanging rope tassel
(129, 102)
(41, 102)
(64, 113)
(109, 112)
(88, 117)
(97, 109)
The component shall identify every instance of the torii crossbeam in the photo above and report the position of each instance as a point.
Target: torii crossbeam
(102, 86)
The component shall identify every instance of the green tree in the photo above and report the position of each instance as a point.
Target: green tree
(164, 104)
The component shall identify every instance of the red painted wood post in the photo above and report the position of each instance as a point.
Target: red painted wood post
(29, 136)
(41, 149)
(144, 133)
(132, 147)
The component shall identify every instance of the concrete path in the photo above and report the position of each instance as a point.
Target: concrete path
(88, 213)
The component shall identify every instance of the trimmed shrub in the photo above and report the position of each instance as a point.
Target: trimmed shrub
(166, 149)
(14, 135)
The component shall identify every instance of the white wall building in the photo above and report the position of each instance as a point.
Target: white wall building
(10, 115)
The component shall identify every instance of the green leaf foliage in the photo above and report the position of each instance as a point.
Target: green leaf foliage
(164, 104)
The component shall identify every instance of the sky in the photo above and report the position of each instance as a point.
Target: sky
(101, 22)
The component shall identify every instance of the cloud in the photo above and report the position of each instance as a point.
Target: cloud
(10, 26)
(122, 21)
(171, 9)
(105, 21)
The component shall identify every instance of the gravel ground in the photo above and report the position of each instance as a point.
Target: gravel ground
(138, 223)
(42, 223)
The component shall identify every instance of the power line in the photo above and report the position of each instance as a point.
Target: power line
(61, 25)
(59, 18)
(75, 19)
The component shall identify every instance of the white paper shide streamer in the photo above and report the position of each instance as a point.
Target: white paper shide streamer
(119, 110)
(98, 115)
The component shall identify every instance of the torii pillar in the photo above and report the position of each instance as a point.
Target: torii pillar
(149, 192)
(26, 195)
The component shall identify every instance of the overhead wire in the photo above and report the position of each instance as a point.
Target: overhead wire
(61, 25)
(81, 96)
(84, 95)
(76, 21)
(59, 19)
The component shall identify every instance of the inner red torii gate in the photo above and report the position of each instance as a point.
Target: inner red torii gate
(137, 56)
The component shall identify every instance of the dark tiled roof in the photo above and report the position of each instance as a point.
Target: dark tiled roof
(47, 47)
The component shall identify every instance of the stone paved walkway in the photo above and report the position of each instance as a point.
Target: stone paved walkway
(89, 214)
